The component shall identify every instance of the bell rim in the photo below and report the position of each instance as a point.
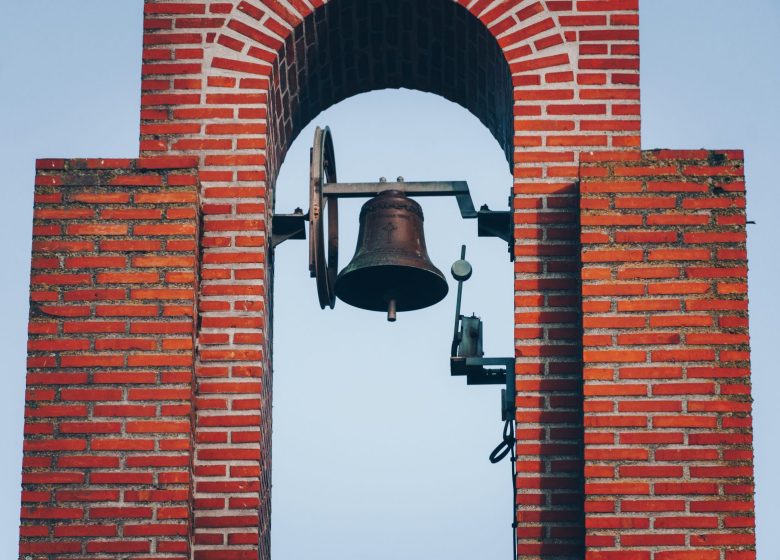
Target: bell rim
(437, 286)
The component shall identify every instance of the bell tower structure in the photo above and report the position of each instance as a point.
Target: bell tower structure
(148, 414)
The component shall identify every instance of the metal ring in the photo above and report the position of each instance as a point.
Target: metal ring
(323, 266)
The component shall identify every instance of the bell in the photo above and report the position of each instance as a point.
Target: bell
(391, 270)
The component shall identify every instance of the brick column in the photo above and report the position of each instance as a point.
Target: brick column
(108, 429)
(666, 362)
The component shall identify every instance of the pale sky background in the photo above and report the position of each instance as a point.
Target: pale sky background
(378, 453)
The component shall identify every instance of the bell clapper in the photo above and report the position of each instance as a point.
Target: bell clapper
(391, 310)
(391, 297)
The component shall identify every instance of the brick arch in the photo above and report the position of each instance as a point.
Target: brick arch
(312, 59)
(432, 46)
(568, 82)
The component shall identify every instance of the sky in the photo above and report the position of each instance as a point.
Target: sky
(372, 437)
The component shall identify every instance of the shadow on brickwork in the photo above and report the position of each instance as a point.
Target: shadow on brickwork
(550, 416)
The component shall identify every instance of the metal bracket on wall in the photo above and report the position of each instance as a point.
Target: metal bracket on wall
(477, 374)
(496, 223)
(466, 355)
(288, 226)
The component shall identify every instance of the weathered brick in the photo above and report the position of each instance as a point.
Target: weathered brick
(686, 401)
(83, 329)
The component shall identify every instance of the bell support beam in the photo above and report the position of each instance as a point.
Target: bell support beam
(458, 189)
(490, 223)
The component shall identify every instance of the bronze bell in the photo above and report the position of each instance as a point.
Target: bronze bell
(391, 270)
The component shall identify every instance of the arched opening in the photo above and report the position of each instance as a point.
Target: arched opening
(377, 451)
(347, 47)
(340, 50)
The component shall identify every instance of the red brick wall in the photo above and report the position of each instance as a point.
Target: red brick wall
(668, 472)
(108, 430)
(230, 84)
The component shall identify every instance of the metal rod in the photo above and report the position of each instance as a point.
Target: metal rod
(458, 189)
(411, 188)
(513, 468)
(456, 332)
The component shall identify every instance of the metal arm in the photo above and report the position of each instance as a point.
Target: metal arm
(456, 331)
(458, 189)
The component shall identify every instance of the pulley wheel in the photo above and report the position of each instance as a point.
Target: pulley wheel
(323, 263)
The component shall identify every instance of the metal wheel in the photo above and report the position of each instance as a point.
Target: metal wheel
(323, 266)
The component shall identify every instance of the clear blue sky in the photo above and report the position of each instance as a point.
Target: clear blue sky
(381, 442)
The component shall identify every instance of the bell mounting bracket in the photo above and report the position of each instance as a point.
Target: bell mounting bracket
(324, 192)
(466, 356)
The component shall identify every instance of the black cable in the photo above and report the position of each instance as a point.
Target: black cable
(507, 443)
(507, 447)
(513, 459)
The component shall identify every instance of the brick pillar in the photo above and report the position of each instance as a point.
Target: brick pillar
(108, 428)
(668, 438)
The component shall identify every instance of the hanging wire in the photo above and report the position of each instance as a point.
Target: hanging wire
(507, 447)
